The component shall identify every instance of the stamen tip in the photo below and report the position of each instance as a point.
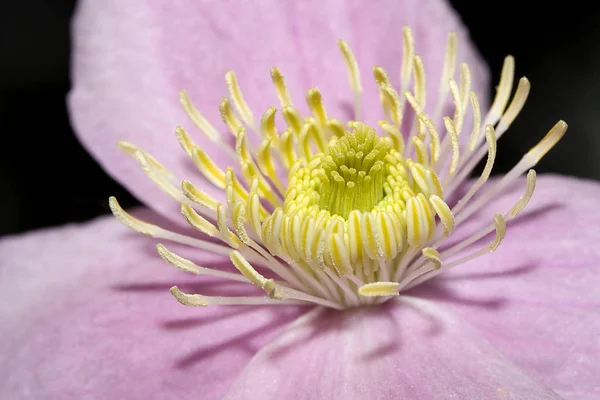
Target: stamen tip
(193, 300)
(377, 289)
(128, 220)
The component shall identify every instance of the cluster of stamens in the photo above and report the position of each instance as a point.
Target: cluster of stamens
(362, 216)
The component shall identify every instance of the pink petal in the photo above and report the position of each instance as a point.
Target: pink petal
(130, 61)
(405, 350)
(536, 298)
(86, 313)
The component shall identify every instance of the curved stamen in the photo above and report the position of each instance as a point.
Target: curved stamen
(362, 214)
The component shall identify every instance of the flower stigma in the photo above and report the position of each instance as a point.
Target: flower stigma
(364, 212)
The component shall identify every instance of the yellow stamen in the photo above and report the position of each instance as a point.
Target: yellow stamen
(238, 99)
(379, 289)
(353, 77)
(362, 214)
(229, 117)
(208, 168)
(280, 87)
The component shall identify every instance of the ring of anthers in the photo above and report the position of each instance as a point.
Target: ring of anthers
(362, 216)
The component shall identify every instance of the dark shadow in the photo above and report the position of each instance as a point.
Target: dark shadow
(526, 216)
(436, 291)
(391, 344)
(435, 326)
(382, 350)
(317, 325)
(195, 287)
(517, 271)
(533, 213)
(192, 322)
(242, 341)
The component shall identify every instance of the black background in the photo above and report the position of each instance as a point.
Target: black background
(557, 46)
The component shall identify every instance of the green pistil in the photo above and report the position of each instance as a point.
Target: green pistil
(354, 168)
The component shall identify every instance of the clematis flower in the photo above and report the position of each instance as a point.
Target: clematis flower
(344, 233)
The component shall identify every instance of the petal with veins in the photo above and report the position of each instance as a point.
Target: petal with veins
(86, 313)
(409, 349)
(537, 298)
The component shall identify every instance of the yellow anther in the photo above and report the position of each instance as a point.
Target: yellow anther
(190, 300)
(315, 103)
(381, 76)
(353, 76)
(465, 84)
(382, 80)
(238, 260)
(340, 255)
(433, 136)
(178, 262)
(444, 212)
(420, 84)
(286, 145)
(422, 156)
(238, 99)
(208, 168)
(476, 122)
(552, 137)
(516, 105)
(304, 148)
(280, 87)
(229, 117)
(419, 219)
(226, 234)
(408, 54)
(413, 102)
(377, 289)
(433, 256)
(184, 140)
(186, 265)
(238, 218)
(159, 175)
(394, 134)
(369, 235)
(387, 239)
(264, 159)
(500, 224)
(251, 172)
(197, 221)
(267, 125)
(197, 196)
(197, 118)
(128, 220)
(449, 62)
(254, 209)
(451, 129)
(241, 146)
(422, 180)
(393, 104)
(503, 93)
(490, 136)
(131, 150)
(531, 179)
(232, 181)
(292, 118)
(459, 112)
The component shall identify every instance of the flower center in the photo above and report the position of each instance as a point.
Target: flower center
(355, 173)
(354, 208)
(362, 216)
(351, 175)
